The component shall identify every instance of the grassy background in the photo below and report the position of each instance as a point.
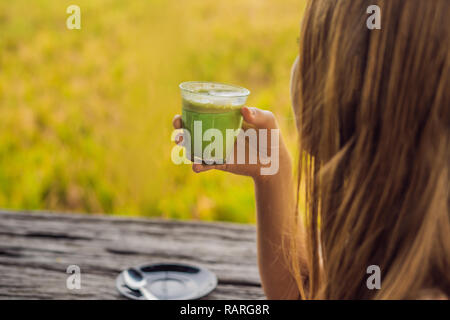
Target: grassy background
(85, 115)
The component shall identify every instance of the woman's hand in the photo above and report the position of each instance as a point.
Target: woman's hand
(275, 202)
(253, 119)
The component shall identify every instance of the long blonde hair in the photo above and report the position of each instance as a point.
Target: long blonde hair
(373, 115)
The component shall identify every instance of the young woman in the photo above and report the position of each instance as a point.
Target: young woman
(373, 115)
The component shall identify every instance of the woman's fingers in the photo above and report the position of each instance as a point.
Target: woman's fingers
(199, 167)
(179, 138)
(239, 169)
(176, 122)
(261, 119)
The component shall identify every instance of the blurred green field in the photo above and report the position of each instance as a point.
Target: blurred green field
(85, 115)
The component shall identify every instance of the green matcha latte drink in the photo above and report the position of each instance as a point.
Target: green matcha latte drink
(209, 105)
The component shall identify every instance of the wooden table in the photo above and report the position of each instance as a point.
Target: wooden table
(36, 248)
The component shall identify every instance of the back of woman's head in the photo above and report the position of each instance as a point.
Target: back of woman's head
(373, 113)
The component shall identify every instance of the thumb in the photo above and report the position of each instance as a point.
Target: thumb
(261, 119)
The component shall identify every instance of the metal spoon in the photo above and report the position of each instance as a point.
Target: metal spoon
(135, 280)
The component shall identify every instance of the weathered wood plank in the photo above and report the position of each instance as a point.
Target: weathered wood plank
(37, 247)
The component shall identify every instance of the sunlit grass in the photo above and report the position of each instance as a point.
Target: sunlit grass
(85, 115)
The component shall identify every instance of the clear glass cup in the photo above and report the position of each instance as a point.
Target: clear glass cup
(210, 105)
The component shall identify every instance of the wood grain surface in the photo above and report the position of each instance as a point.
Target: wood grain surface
(37, 247)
